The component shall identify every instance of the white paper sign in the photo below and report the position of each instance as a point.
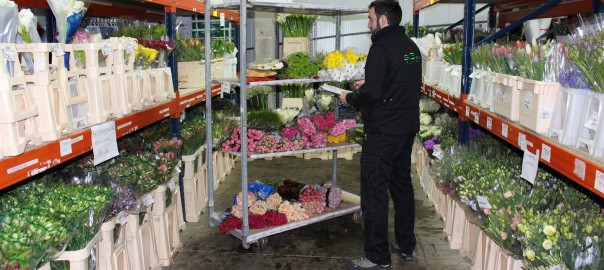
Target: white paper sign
(579, 168)
(483, 202)
(139, 74)
(9, 54)
(56, 49)
(129, 48)
(121, 216)
(104, 142)
(599, 183)
(522, 141)
(225, 88)
(106, 50)
(592, 121)
(504, 130)
(546, 153)
(148, 200)
(489, 122)
(476, 117)
(546, 113)
(222, 22)
(467, 111)
(172, 185)
(333, 89)
(65, 147)
(152, 72)
(530, 164)
(438, 152)
(528, 100)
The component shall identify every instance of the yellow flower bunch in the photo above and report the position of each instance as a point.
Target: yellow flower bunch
(351, 57)
(336, 139)
(145, 56)
(363, 57)
(333, 59)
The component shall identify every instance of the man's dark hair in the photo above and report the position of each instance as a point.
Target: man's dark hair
(390, 8)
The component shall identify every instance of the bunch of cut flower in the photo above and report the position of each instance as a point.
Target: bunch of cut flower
(300, 65)
(296, 25)
(343, 66)
(452, 53)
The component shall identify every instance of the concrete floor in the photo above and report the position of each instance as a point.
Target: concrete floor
(326, 245)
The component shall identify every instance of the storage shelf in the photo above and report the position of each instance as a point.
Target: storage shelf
(294, 8)
(235, 82)
(305, 151)
(441, 97)
(578, 166)
(192, 97)
(345, 208)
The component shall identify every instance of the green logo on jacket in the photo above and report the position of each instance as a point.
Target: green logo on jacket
(412, 58)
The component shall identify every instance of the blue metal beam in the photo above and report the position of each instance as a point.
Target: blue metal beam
(598, 6)
(50, 26)
(462, 20)
(520, 21)
(416, 24)
(172, 63)
(466, 81)
(492, 18)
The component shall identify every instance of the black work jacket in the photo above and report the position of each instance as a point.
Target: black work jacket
(389, 99)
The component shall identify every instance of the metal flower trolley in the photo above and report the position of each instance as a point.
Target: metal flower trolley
(350, 202)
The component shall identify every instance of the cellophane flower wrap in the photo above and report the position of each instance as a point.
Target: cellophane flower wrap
(28, 33)
(296, 25)
(9, 21)
(586, 55)
(69, 15)
(144, 57)
(164, 49)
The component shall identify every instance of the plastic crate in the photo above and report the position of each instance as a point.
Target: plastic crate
(79, 259)
(456, 219)
(98, 59)
(454, 86)
(294, 45)
(506, 100)
(112, 248)
(123, 57)
(191, 74)
(103, 98)
(74, 98)
(144, 85)
(470, 237)
(129, 94)
(15, 136)
(230, 67)
(568, 112)
(166, 224)
(434, 70)
(52, 121)
(445, 77)
(44, 61)
(168, 85)
(140, 242)
(538, 100)
(591, 131)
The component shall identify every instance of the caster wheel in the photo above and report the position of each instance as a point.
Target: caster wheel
(357, 217)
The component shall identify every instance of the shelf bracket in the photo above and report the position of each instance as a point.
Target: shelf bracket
(520, 21)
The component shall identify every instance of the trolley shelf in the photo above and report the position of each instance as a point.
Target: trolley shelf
(255, 234)
(329, 147)
(235, 82)
(294, 8)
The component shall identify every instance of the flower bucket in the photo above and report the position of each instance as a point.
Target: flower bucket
(434, 70)
(191, 74)
(294, 45)
(140, 243)
(79, 259)
(456, 219)
(445, 77)
(486, 100)
(195, 186)
(538, 100)
(478, 86)
(506, 100)
(455, 81)
(568, 112)
(591, 134)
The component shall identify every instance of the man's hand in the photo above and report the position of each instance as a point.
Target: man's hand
(343, 96)
(358, 84)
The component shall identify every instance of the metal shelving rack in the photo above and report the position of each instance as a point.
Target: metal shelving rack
(246, 235)
(577, 166)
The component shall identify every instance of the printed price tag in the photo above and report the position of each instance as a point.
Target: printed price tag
(130, 48)
(528, 100)
(489, 122)
(57, 50)
(172, 185)
(579, 170)
(9, 54)
(438, 152)
(476, 117)
(546, 113)
(225, 88)
(483, 202)
(121, 217)
(504, 130)
(65, 146)
(522, 141)
(467, 111)
(148, 200)
(106, 50)
(592, 121)
(139, 74)
(546, 153)
(152, 73)
(177, 169)
(530, 164)
(599, 183)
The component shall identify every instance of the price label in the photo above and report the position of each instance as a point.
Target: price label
(483, 202)
(546, 113)
(522, 141)
(489, 122)
(438, 152)
(225, 88)
(467, 111)
(130, 48)
(152, 73)
(476, 117)
(530, 164)
(592, 121)
(121, 217)
(528, 100)
(148, 200)
(57, 50)
(546, 153)
(504, 130)
(139, 74)
(599, 183)
(106, 49)
(579, 170)
(177, 169)
(9, 54)
(65, 147)
(172, 185)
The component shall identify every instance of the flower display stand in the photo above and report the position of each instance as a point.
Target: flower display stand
(167, 91)
(129, 97)
(294, 45)
(470, 236)
(167, 221)
(454, 85)
(434, 69)
(112, 250)
(591, 132)
(79, 259)
(195, 190)
(143, 80)
(456, 219)
(17, 110)
(506, 100)
(74, 98)
(445, 77)
(568, 112)
(481, 89)
(123, 57)
(140, 242)
(538, 102)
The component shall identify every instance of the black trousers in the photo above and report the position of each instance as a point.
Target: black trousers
(386, 166)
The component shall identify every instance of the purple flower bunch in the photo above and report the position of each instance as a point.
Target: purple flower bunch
(429, 144)
(476, 133)
(572, 78)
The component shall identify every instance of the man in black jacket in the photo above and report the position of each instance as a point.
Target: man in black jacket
(389, 103)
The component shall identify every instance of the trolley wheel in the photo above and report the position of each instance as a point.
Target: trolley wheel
(262, 243)
(357, 217)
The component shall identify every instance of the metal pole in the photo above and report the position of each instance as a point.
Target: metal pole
(243, 98)
(492, 21)
(468, 42)
(416, 24)
(50, 26)
(598, 6)
(334, 167)
(171, 33)
(208, 70)
(338, 29)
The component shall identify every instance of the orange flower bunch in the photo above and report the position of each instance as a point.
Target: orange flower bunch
(188, 50)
